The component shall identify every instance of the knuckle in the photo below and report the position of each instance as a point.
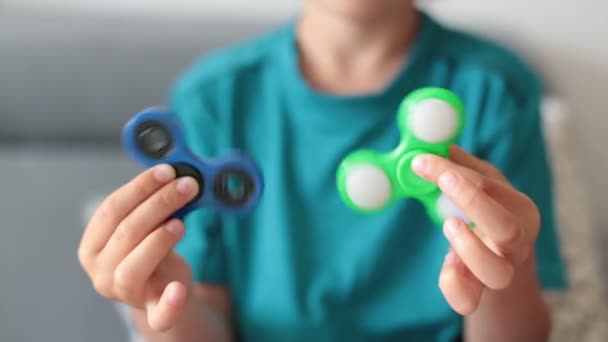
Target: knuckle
(125, 286)
(535, 216)
(480, 183)
(123, 232)
(157, 324)
(512, 232)
(84, 257)
(123, 279)
(466, 244)
(139, 188)
(106, 210)
(166, 199)
(489, 168)
(478, 187)
(102, 285)
(160, 238)
(467, 306)
(536, 221)
(523, 256)
(504, 280)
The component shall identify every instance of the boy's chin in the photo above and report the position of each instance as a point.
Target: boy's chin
(362, 9)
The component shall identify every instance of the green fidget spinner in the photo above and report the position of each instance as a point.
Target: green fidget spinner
(430, 121)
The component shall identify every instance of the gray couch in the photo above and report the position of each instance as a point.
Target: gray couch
(67, 85)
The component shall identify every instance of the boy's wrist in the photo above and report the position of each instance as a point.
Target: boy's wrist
(518, 312)
(524, 275)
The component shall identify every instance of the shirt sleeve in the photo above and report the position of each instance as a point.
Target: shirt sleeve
(202, 245)
(510, 137)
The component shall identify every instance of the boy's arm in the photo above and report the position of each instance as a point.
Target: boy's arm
(510, 136)
(518, 313)
(489, 274)
(206, 317)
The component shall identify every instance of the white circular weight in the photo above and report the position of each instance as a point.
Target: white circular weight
(446, 208)
(368, 186)
(433, 121)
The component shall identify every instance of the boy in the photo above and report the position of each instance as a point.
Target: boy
(304, 267)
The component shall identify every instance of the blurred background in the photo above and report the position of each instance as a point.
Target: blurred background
(73, 71)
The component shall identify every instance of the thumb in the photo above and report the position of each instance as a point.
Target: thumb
(164, 311)
(459, 286)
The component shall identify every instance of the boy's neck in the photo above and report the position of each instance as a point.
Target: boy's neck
(351, 56)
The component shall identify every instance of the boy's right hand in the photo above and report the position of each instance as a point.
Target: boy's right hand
(127, 247)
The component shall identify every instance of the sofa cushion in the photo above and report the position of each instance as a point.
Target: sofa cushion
(581, 312)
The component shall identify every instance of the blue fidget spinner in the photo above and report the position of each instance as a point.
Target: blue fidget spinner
(231, 183)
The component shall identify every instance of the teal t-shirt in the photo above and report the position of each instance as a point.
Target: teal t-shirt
(303, 266)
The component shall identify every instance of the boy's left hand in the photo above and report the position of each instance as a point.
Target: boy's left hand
(507, 223)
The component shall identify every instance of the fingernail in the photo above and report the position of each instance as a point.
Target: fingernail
(175, 227)
(448, 182)
(452, 228)
(420, 164)
(164, 173)
(186, 185)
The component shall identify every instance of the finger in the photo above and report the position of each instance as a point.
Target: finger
(153, 212)
(164, 313)
(463, 158)
(459, 286)
(120, 203)
(133, 272)
(515, 201)
(494, 271)
(470, 191)
(498, 223)
(431, 167)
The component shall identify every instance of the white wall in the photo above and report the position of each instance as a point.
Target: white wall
(155, 7)
(566, 41)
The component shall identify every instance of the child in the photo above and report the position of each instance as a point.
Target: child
(303, 266)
